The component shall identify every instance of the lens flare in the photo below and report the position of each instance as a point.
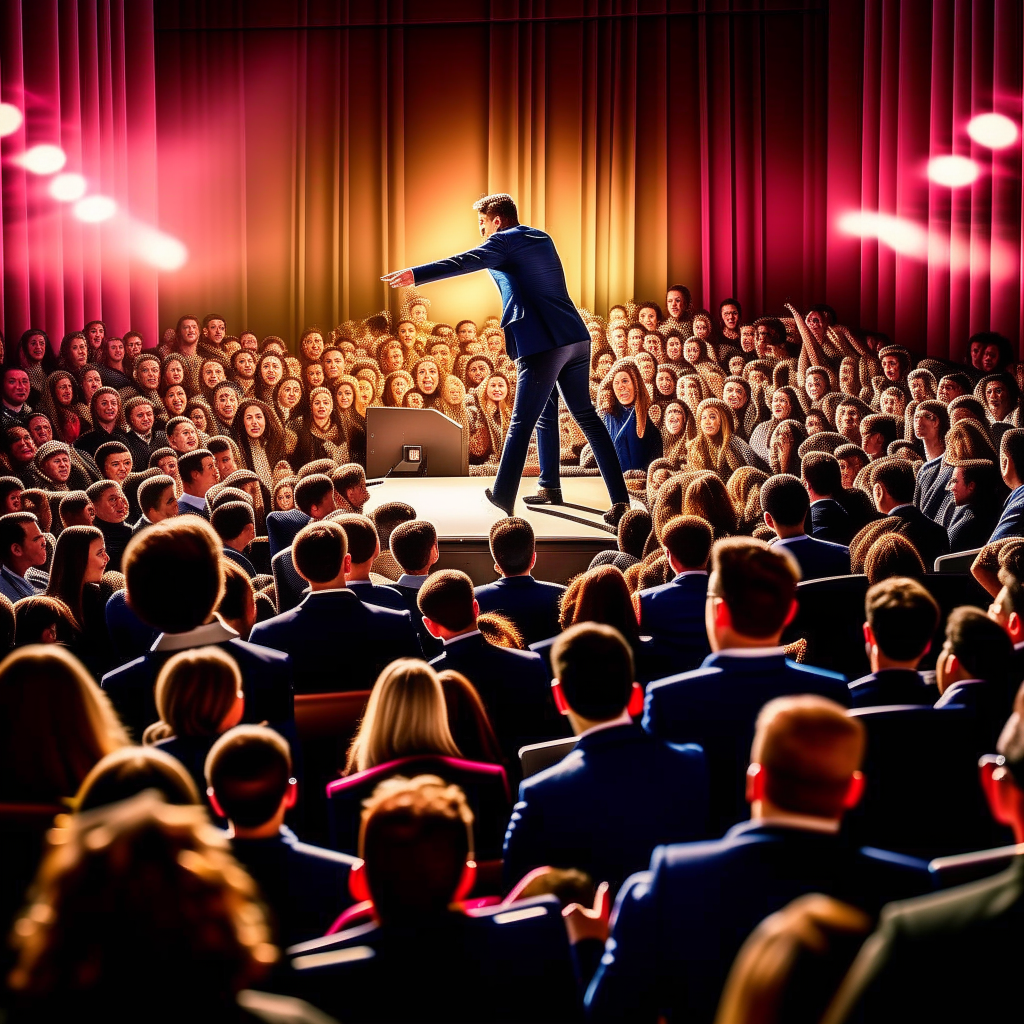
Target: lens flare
(94, 209)
(43, 159)
(903, 236)
(10, 119)
(158, 249)
(953, 171)
(66, 188)
(995, 131)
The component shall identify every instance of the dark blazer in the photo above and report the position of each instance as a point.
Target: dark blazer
(140, 524)
(240, 560)
(185, 509)
(930, 494)
(1011, 520)
(511, 964)
(92, 439)
(141, 451)
(380, 595)
(674, 614)
(536, 312)
(531, 604)
(990, 704)
(830, 521)
(606, 805)
(817, 559)
(282, 527)
(432, 647)
(266, 682)
(515, 689)
(306, 887)
(130, 636)
(925, 534)
(680, 924)
(717, 706)
(115, 540)
(970, 526)
(891, 686)
(977, 929)
(337, 642)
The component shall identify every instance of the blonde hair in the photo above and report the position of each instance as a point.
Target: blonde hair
(405, 716)
(55, 724)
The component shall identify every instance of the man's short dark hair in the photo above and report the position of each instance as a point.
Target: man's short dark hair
(173, 573)
(98, 489)
(318, 551)
(880, 423)
(785, 499)
(349, 475)
(12, 531)
(498, 204)
(361, 534)
(823, 473)
(238, 591)
(447, 598)
(231, 518)
(388, 516)
(220, 444)
(318, 466)
(512, 545)
(213, 316)
(757, 584)
(221, 494)
(1012, 446)
(960, 379)
(107, 449)
(72, 504)
(311, 490)
(191, 464)
(982, 646)
(249, 769)
(151, 489)
(897, 477)
(594, 665)
(903, 616)
(688, 540)
(411, 544)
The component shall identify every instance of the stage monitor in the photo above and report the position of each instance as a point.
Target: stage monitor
(389, 430)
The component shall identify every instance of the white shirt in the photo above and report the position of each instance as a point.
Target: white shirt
(752, 652)
(191, 499)
(215, 632)
(461, 636)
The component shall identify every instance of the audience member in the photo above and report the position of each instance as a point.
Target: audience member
(364, 548)
(156, 500)
(893, 492)
(129, 771)
(198, 472)
(414, 546)
(235, 524)
(22, 548)
(111, 512)
(786, 503)
(823, 479)
(1011, 467)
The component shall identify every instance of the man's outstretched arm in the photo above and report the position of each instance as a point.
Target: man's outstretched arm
(483, 257)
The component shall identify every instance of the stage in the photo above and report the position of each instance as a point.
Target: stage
(463, 518)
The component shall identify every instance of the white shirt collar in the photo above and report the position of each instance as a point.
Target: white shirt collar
(788, 540)
(896, 508)
(215, 632)
(461, 636)
(623, 719)
(691, 572)
(752, 652)
(191, 499)
(805, 822)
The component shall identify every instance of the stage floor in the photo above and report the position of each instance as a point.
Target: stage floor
(463, 518)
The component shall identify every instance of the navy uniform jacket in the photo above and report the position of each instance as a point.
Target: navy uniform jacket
(930, 494)
(282, 528)
(537, 314)
(891, 686)
(679, 925)
(306, 887)
(606, 805)
(515, 689)
(970, 526)
(817, 559)
(717, 706)
(337, 642)
(925, 534)
(531, 604)
(674, 614)
(830, 521)
(1011, 521)
(990, 704)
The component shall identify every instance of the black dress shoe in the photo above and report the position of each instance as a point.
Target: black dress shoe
(490, 498)
(545, 496)
(615, 513)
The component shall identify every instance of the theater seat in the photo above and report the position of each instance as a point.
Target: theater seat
(830, 619)
(535, 757)
(485, 785)
(958, 561)
(961, 868)
(321, 716)
(922, 795)
(289, 584)
(951, 590)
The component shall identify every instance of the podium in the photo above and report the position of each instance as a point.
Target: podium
(388, 430)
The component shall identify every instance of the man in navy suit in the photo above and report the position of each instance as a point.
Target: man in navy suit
(549, 341)
(893, 490)
(235, 524)
(532, 605)
(336, 641)
(786, 503)
(751, 599)
(364, 547)
(823, 478)
(198, 473)
(513, 685)
(680, 924)
(1011, 466)
(599, 809)
(673, 613)
(931, 490)
(901, 621)
(249, 775)
(314, 499)
(414, 545)
(174, 580)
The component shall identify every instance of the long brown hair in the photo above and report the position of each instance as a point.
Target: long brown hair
(67, 574)
(467, 719)
(600, 595)
(607, 402)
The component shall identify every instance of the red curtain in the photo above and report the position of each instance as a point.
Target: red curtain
(82, 73)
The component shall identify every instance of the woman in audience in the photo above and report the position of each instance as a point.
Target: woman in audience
(74, 353)
(260, 438)
(146, 381)
(406, 716)
(113, 371)
(623, 405)
(322, 435)
(784, 406)
(396, 384)
(283, 499)
(716, 448)
(133, 770)
(490, 414)
(70, 418)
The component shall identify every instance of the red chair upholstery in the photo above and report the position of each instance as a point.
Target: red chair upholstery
(320, 716)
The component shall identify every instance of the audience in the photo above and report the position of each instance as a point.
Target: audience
(786, 504)
(22, 548)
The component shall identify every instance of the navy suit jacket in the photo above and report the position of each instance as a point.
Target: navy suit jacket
(830, 521)
(266, 682)
(930, 494)
(240, 560)
(383, 597)
(717, 706)
(1011, 521)
(515, 689)
(531, 604)
(306, 887)
(990, 704)
(282, 527)
(130, 636)
(925, 534)
(537, 314)
(673, 613)
(337, 642)
(817, 559)
(606, 805)
(970, 526)
(891, 686)
(679, 925)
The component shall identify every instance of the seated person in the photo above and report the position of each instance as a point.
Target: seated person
(249, 775)
(42, 620)
(76, 509)
(598, 809)
(198, 472)
(414, 545)
(22, 551)
(1011, 468)
(314, 499)
(364, 548)
(111, 512)
(531, 605)
(157, 501)
(513, 684)
(673, 613)
(751, 598)
(350, 491)
(679, 924)
(901, 621)
(416, 845)
(336, 641)
(892, 486)
(974, 668)
(238, 604)
(235, 523)
(786, 504)
(823, 479)
(893, 980)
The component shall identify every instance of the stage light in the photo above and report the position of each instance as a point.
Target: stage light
(43, 159)
(10, 119)
(94, 209)
(66, 188)
(953, 171)
(904, 236)
(995, 131)
(160, 250)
